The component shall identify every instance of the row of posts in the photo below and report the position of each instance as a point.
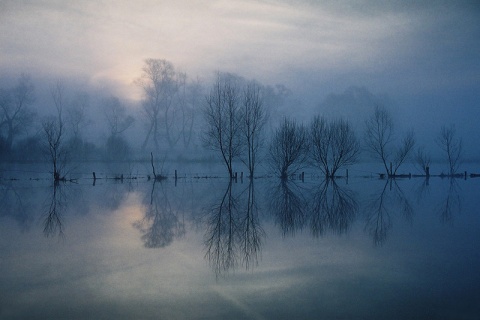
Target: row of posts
(301, 176)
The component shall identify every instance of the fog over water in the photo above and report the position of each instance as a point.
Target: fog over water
(336, 58)
(239, 159)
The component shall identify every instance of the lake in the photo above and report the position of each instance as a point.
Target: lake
(207, 248)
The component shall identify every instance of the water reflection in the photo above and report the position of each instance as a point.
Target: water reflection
(379, 209)
(332, 208)
(452, 203)
(423, 190)
(52, 223)
(16, 203)
(233, 231)
(232, 228)
(288, 205)
(161, 223)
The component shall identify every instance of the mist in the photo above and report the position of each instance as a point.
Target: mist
(337, 60)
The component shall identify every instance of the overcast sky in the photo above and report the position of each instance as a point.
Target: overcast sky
(423, 55)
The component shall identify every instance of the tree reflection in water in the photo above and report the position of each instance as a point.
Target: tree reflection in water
(252, 232)
(452, 204)
(380, 207)
(52, 224)
(288, 206)
(233, 231)
(332, 208)
(161, 223)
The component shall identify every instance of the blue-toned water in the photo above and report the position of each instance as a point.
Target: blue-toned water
(204, 248)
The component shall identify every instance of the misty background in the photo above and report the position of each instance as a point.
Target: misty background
(338, 59)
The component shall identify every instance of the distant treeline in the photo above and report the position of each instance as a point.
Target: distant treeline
(234, 118)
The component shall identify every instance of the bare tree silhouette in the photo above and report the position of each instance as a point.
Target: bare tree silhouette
(380, 139)
(161, 86)
(16, 114)
(222, 119)
(333, 145)
(423, 160)
(54, 132)
(451, 146)
(288, 148)
(253, 119)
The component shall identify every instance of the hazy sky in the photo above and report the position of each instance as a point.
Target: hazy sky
(424, 55)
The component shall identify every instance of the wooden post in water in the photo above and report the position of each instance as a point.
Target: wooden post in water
(465, 175)
(427, 171)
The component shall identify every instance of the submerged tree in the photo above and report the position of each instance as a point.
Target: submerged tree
(54, 132)
(380, 141)
(451, 146)
(221, 114)
(423, 160)
(333, 145)
(253, 119)
(288, 148)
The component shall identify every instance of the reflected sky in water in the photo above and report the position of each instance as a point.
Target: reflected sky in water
(207, 249)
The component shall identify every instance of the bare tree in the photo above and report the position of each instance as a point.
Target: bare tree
(334, 145)
(54, 132)
(160, 83)
(253, 119)
(116, 115)
(15, 112)
(77, 114)
(118, 121)
(451, 146)
(423, 160)
(190, 97)
(379, 139)
(221, 115)
(288, 148)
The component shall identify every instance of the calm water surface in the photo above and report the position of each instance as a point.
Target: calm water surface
(208, 249)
